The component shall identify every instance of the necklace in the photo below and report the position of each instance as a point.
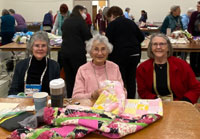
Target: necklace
(160, 66)
(96, 75)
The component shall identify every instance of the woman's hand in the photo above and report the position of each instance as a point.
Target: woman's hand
(96, 94)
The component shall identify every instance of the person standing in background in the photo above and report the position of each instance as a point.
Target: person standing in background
(173, 20)
(127, 14)
(185, 18)
(7, 27)
(194, 29)
(143, 17)
(48, 21)
(74, 34)
(101, 22)
(61, 16)
(21, 23)
(88, 19)
(126, 38)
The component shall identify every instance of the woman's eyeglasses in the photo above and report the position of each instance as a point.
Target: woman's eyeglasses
(160, 44)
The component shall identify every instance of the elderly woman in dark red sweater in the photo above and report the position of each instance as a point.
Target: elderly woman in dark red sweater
(165, 76)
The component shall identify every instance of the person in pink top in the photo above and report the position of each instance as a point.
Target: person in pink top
(90, 75)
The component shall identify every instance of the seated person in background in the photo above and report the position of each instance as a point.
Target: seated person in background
(21, 23)
(36, 70)
(165, 76)
(99, 69)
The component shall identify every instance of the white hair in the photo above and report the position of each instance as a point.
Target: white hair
(191, 10)
(100, 39)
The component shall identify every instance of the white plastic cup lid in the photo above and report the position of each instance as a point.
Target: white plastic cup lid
(40, 95)
(57, 83)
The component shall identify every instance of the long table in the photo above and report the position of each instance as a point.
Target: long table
(21, 47)
(150, 30)
(180, 120)
(177, 47)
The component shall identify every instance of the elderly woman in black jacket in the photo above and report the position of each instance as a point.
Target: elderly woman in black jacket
(74, 34)
(33, 74)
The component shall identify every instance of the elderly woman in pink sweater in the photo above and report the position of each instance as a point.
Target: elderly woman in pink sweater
(89, 75)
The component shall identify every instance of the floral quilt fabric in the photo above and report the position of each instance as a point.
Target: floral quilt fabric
(72, 123)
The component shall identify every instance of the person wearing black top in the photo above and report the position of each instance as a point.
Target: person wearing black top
(143, 17)
(126, 37)
(36, 70)
(74, 34)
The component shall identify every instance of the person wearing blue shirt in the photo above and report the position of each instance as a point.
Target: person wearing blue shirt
(185, 18)
(126, 13)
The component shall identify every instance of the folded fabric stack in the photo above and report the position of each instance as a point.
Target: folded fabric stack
(21, 37)
(55, 40)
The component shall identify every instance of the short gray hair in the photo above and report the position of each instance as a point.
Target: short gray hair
(191, 10)
(169, 45)
(100, 39)
(40, 35)
(174, 8)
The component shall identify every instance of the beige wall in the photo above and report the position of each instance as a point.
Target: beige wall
(86, 3)
(1, 6)
(34, 10)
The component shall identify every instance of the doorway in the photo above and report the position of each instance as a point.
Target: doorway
(93, 6)
(96, 5)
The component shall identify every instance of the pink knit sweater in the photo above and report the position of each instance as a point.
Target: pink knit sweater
(90, 75)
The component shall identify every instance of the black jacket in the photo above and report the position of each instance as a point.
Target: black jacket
(17, 85)
(125, 37)
(74, 34)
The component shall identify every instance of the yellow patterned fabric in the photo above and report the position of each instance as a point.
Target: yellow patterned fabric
(112, 99)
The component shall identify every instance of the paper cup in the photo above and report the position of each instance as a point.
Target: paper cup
(40, 100)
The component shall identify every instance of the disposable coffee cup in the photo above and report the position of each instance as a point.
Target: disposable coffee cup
(168, 32)
(40, 100)
(57, 92)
